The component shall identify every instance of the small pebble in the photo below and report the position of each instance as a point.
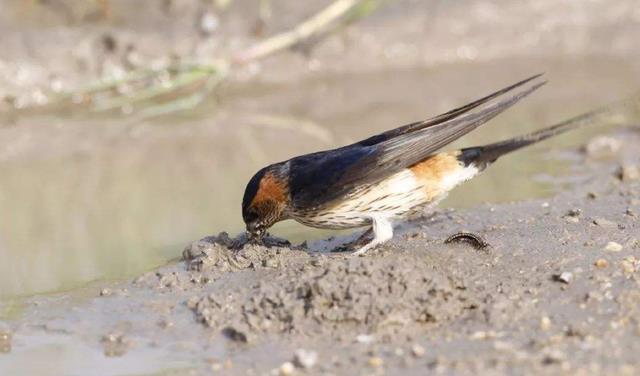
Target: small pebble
(375, 362)
(545, 323)
(365, 338)
(5, 341)
(115, 344)
(628, 268)
(417, 351)
(604, 222)
(305, 359)
(564, 277)
(629, 264)
(208, 23)
(216, 366)
(602, 145)
(193, 302)
(235, 334)
(613, 247)
(164, 323)
(628, 173)
(574, 212)
(482, 335)
(287, 369)
(271, 263)
(601, 263)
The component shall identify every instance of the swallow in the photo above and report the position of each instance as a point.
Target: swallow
(388, 177)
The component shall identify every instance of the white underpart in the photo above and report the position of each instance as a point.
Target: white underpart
(403, 191)
(389, 200)
(402, 184)
(405, 182)
(452, 180)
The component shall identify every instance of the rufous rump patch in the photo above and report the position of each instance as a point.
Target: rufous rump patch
(432, 171)
(270, 189)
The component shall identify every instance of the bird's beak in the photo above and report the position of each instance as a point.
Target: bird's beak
(255, 235)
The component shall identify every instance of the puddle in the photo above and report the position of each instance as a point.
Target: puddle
(58, 354)
(86, 199)
(109, 198)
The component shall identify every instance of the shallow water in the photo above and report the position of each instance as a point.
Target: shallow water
(102, 198)
(60, 354)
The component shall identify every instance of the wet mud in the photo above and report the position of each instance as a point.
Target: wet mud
(556, 291)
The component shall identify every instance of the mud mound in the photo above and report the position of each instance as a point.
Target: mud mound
(222, 253)
(358, 291)
(321, 296)
(209, 259)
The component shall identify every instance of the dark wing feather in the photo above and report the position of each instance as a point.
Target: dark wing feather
(315, 179)
(411, 148)
(442, 117)
(319, 178)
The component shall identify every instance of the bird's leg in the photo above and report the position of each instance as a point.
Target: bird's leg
(382, 231)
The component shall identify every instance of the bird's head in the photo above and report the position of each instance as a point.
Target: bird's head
(265, 199)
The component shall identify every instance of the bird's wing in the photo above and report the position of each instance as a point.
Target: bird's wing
(320, 178)
(439, 119)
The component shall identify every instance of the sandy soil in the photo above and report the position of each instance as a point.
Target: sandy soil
(556, 292)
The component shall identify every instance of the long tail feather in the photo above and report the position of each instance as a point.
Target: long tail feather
(482, 156)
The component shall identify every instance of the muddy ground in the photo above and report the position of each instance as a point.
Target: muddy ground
(556, 292)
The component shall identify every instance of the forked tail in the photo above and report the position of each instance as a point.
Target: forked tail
(482, 156)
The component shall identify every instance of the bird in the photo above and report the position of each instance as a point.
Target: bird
(388, 177)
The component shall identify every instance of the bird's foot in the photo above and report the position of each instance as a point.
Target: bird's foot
(361, 241)
(382, 230)
(362, 250)
(476, 241)
(359, 246)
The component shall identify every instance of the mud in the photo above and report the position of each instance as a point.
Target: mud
(122, 193)
(556, 292)
(319, 294)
